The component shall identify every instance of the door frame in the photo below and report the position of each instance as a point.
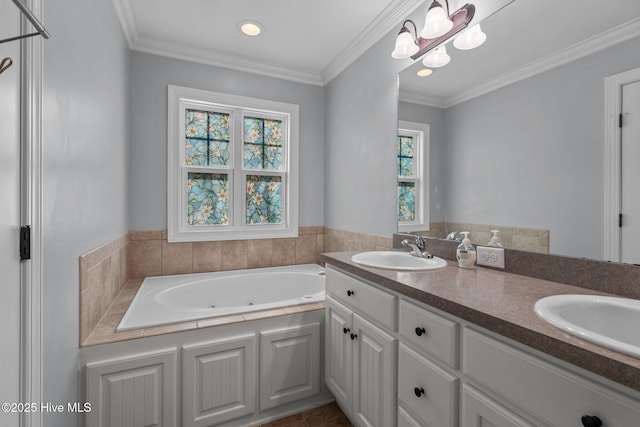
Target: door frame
(31, 278)
(612, 160)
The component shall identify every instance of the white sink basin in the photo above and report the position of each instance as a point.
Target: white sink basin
(607, 321)
(394, 260)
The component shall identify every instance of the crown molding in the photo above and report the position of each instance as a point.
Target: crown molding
(579, 50)
(387, 20)
(378, 28)
(422, 99)
(129, 24)
(187, 53)
(128, 21)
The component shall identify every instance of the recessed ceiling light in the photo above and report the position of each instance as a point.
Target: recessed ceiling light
(250, 27)
(424, 72)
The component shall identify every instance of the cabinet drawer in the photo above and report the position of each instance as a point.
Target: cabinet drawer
(426, 390)
(554, 395)
(429, 332)
(363, 298)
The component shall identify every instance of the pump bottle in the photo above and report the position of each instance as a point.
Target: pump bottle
(466, 253)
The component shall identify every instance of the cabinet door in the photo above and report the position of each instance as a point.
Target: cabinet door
(289, 365)
(339, 352)
(218, 380)
(479, 410)
(374, 364)
(137, 391)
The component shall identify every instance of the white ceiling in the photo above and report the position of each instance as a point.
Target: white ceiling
(307, 41)
(313, 41)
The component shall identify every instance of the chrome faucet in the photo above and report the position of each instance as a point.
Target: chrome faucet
(453, 235)
(417, 247)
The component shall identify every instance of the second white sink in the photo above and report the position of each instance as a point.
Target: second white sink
(607, 321)
(394, 260)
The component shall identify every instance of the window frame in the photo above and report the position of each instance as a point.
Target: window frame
(420, 132)
(239, 107)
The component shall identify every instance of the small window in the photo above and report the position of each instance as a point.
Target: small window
(413, 177)
(232, 170)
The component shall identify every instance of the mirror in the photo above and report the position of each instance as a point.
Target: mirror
(517, 125)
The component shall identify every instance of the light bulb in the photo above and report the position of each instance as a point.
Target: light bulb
(405, 45)
(437, 58)
(470, 38)
(250, 28)
(437, 23)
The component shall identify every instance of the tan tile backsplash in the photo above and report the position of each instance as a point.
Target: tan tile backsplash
(139, 254)
(340, 240)
(526, 239)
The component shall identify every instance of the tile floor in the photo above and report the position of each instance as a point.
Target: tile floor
(327, 415)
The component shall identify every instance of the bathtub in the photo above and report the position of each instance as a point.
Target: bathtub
(180, 298)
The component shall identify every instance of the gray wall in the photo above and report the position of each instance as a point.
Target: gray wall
(150, 75)
(85, 183)
(531, 154)
(361, 137)
(434, 117)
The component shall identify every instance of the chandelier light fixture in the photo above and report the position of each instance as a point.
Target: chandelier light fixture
(439, 27)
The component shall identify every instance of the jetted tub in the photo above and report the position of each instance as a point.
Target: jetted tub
(172, 299)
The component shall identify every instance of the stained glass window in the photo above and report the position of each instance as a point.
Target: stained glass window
(207, 138)
(264, 199)
(406, 201)
(405, 156)
(262, 143)
(230, 164)
(207, 199)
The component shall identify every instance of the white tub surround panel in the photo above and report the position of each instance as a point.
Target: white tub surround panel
(208, 376)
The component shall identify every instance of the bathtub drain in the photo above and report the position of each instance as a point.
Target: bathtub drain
(212, 306)
(250, 303)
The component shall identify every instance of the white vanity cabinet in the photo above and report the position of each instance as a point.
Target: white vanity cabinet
(449, 372)
(360, 358)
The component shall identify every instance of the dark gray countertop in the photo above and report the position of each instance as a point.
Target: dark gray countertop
(503, 303)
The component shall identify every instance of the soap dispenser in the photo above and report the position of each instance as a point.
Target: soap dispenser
(466, 253)
(495, 240)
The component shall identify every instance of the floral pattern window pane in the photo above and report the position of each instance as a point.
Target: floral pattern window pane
(406, 201)
(264, 199)
(207, 138)
(405, 156)
(207, 199)
(262, 143)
